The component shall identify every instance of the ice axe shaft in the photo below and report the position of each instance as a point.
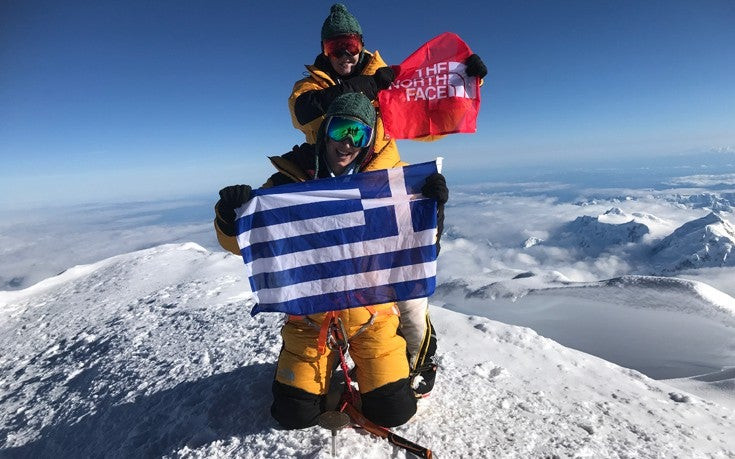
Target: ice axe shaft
(333, 420)
(382, 432)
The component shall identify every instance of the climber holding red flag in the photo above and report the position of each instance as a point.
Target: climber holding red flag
(345, 66)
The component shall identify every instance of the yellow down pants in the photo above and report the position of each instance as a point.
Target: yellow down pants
(379, 352)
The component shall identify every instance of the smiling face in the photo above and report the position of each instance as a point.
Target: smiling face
(344, 64)
(343, 52)
(339, 155)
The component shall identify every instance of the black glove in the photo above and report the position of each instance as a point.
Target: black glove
(436, 188)
(365, 84)
(230, 198)
(475, 66)
(384, 76)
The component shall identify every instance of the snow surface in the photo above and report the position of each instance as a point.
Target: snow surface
(154, 353)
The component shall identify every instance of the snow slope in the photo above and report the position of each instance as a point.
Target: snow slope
(154, 353)
(718, 386)
(664, 327)
(701, 243)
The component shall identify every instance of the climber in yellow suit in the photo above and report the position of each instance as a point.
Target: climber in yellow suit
(345, 66)
(344, 145)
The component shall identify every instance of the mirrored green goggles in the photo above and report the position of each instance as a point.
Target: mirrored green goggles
(359, 133)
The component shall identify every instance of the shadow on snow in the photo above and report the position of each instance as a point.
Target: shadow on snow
(193, 414)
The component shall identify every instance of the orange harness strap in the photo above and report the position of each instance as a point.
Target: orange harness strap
(330, 318)
(321, 343)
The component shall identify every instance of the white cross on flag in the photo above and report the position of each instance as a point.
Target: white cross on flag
(340, 242)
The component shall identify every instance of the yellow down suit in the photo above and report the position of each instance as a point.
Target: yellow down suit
(307, 113)
(305, 364)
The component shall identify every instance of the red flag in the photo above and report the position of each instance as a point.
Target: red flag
(432, 94)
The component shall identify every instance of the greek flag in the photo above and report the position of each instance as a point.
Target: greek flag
(340, 242)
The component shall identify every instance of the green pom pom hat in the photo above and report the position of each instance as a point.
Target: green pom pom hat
(340, 22)
(354, 105)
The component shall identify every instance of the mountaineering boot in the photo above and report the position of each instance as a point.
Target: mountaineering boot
(423, 381)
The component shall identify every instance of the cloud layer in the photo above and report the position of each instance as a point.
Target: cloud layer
(493, 231)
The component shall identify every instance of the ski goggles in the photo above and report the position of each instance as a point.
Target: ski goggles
(342, 45)
(340, 129)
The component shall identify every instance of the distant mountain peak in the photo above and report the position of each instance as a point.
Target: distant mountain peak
(705, 242)
(615, 211)
(717, 202)
(531, 241)
(709, 223)
(594, 235)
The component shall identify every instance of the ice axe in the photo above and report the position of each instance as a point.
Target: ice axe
(333, 420)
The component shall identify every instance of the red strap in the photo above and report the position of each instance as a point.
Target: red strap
(321, 343)
(351, 396)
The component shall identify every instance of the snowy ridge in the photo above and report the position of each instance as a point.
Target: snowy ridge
(71, 274)
(518, 286)
(593, 235)
(68, 275)
(700, 243)
(709, 295)
(715, 386)
(154, 353)
(616, 215)
(654, 292)
(722, 202)
(84, 351)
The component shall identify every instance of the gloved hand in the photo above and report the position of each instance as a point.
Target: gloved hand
(365, 84)
(384, 76)
(230, 198)
(436, 188)
(475, 66)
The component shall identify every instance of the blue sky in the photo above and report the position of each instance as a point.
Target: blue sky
(116, 100)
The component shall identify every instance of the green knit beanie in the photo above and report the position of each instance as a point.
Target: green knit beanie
(340, 22)
(354, 104)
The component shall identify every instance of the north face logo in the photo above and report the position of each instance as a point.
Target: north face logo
(286, 374)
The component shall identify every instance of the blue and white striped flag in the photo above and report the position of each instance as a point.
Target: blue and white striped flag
(341, 242)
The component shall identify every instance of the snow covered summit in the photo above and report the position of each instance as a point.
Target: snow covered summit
(716, 202)
(594, 235)
(704, 242)
(154, 353)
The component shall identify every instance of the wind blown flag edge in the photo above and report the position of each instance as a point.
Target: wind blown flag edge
(341, 242)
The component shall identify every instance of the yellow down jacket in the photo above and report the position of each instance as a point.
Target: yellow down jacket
(319, 79)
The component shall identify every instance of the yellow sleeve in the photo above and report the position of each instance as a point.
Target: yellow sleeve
(228, 243)
(309, 83)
